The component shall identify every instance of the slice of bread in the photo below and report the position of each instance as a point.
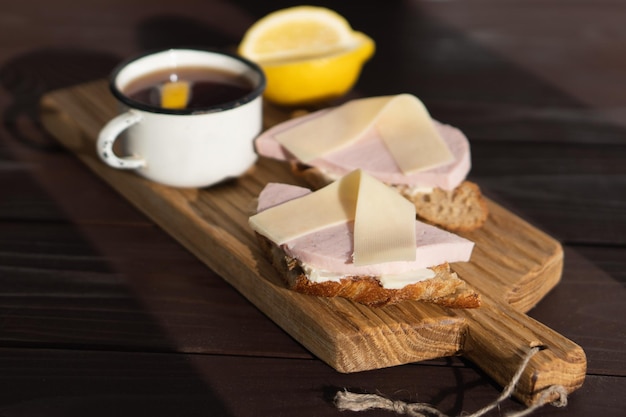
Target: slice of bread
(460, 210)
(445, 289)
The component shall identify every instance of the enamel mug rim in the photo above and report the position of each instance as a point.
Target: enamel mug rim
(178, 56)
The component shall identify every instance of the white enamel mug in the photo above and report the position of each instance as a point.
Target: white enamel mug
(184, 148)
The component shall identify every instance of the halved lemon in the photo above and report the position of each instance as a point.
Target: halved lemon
(308, 53)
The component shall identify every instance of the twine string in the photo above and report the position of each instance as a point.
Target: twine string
(346, 400)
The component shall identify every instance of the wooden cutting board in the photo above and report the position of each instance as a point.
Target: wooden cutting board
(513, 266)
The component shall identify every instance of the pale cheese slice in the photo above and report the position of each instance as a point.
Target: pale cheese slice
(326, 207)
(333, 130)
(384, 221)
(410, 135)
(402, 121)
(384, 226)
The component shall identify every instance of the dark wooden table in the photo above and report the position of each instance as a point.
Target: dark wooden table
(103, 314)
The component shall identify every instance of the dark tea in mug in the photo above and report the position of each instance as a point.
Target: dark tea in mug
(205, 87)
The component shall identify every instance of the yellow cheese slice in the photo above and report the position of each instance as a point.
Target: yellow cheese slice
(402, 121)
(175, 95)
(384, 221)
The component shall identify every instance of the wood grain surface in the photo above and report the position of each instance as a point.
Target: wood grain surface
(103, 313)
(513, 266)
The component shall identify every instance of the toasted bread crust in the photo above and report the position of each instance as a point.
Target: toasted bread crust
(460, 210)
(445, 289)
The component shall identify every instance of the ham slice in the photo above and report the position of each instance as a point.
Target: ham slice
(331, 249)
(370, 154)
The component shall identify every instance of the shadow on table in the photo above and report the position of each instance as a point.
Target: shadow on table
(96, 345)
(29, 76)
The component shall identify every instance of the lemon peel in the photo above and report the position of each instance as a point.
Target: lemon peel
(175, 95)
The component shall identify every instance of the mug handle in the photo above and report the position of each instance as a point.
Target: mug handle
(110, 133)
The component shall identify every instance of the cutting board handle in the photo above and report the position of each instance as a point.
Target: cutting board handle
(498, 340)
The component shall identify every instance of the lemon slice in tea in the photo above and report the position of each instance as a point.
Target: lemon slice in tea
(175, 94)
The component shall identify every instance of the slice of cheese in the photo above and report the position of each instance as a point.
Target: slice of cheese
(334, 130)
(402, 121)
(331, 205)
(410, 135)
(384, 221)
(384, 226)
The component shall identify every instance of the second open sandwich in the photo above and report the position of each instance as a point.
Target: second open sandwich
(394, 139)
